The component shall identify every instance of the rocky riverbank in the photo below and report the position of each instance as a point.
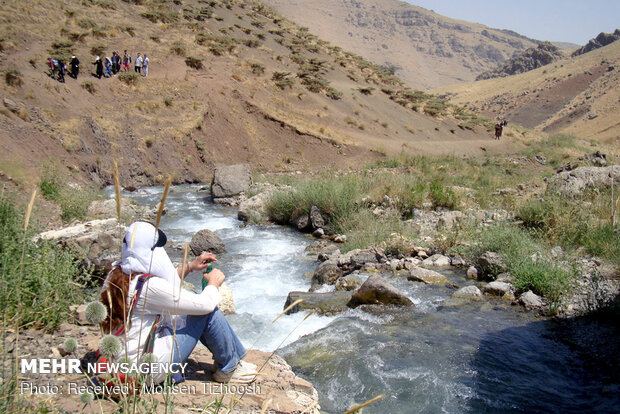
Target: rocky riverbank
(277, 388)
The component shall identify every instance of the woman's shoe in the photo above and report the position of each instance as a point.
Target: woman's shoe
(245, 373)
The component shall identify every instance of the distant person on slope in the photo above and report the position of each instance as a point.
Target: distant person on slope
(61, 70)
(126, 61)
(145, 66)
(98, 67)
(108, 67)
(138, 63)
(498, 130)
(75, 67)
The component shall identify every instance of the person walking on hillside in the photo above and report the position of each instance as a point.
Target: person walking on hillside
(498, 130)
(138, 63)
(75, 67)
(108, 67)
(98, 67)
(145, 66)
(126, 61)
(61, 70)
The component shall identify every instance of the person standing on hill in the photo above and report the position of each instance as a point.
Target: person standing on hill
(98, 67)
(138, 63)
(145, 65)
(126, 61)
(498, 130)
(75, 67)
(61, 70)
(108, 67)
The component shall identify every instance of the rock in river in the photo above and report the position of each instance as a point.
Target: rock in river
(326, 302)
(376, 290)
(206, 241)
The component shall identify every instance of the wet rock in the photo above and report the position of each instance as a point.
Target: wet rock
(254, 208)
(348, 282)
(531, 300)
(301, 222)
(458, 261)
(206, 241)
(430, 277)
(376, 290)
(316, 219)
(323, 246)
(490, 264)
(502, 289)
(469, 292)
(318, 233)
(327, 273)
(322, 302)
(362, 257)
(97, 241)
(472, 272)
(345, 259)
(437, 260)
(231, 180)
(227, 304)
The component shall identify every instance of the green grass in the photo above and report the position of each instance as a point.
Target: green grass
(517, 246)
(73, 202)
(47, 280)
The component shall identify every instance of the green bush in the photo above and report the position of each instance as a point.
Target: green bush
(129, 78)
(46, 282)
(442, 196)
(178, 48)
(73, 202)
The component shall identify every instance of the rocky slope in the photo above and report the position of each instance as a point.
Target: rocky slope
(603, 39)
(427, 49)
(533, 58)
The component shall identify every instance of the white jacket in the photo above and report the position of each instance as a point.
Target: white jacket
(157, 298)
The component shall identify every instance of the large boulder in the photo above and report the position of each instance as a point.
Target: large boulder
(206, 241)
(254, 209)
(490, 265)
(573, 183)
(437, 260)
(531, 300)
(430, 277)
(231, 180)
(378, 291)
(324, 302)
(97, 241)
(363, 257)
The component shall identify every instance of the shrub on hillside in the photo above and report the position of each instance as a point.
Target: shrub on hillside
(13, 77)
(194, 62)
(178, 48)
(129, 78)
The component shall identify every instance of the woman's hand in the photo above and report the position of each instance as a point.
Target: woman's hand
(201, 262)
(214, 278)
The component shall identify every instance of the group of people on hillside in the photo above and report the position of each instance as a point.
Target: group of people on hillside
(107, 67)
(58, 68)
(110, 66)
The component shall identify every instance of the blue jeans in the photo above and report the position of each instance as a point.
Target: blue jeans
(214, 332)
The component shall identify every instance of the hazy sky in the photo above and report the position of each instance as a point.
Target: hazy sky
(575, 21)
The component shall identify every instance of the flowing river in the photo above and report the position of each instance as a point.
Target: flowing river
(483, 357)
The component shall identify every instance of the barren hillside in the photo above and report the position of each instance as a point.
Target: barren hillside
(429, 50)
(229, 81)
(578, 95)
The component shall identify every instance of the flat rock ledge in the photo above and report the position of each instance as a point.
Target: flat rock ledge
(277, 387)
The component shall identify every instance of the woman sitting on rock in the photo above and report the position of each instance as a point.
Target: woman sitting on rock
(165, 319)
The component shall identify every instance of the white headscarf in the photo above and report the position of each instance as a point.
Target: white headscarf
(143, 252)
